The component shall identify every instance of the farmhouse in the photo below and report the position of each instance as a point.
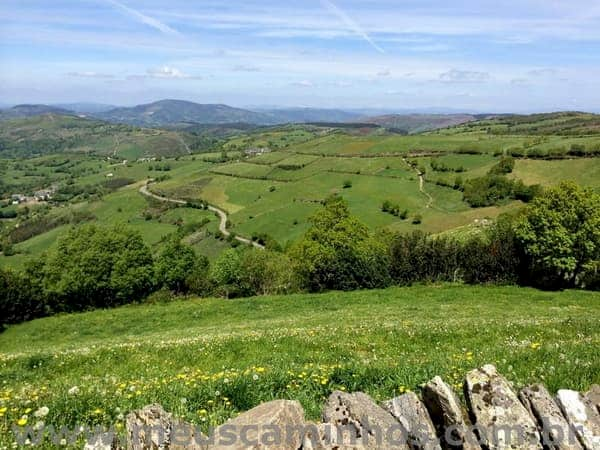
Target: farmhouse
(43, 195)
(18, 198)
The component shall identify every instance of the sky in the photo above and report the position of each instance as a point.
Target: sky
(487, 56)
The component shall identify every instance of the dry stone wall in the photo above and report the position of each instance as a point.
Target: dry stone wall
(494, 417)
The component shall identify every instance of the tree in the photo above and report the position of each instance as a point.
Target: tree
(176, 264)
(98, 267)
(560, 235)
(245, 272)
(338, 252)
(20, 300)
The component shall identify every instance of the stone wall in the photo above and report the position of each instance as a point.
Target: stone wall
(494, 417)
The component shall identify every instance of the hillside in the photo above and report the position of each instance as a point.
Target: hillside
(224, 357)
(307, 115)
(173, 112)
(57, 133)
(23, 111)
(547, 124)
(276, 192)
(417, 123)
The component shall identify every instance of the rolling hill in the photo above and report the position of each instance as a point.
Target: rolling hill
(57, 133)
(173, 112)
(21, 111)
(306, 115)
(417, 123)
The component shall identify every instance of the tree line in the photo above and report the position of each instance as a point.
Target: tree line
(554, 243)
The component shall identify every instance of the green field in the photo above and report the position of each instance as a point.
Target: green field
(224, 357)
(276, 192)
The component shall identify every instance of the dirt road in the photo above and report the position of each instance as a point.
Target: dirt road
(222, 214)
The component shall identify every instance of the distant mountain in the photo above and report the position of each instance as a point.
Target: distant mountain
(85, 107)
(306, 115)
(416, 123)
(21, 111)
(176, 112)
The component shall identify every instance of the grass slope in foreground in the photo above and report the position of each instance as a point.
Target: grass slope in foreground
(208, 359)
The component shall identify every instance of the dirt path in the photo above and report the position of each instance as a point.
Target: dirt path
(222, 214)
(421, 183)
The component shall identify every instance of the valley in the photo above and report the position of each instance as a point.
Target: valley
(269, 181)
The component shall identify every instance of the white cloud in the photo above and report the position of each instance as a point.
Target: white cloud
(464, 76)
(384, 73)
(90, 75)
(246, 68)
(164, 73)
(303, 83)
(544, 72)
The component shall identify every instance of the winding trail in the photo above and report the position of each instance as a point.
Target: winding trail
(421, 183)
(222, 214)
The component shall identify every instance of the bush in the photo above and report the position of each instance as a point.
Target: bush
(560, 235)
(247, 272)
(490, 257)
(338, 252)
(493, 189)
(97, 267)
(20, 299)
(177, 264)
(505, 166)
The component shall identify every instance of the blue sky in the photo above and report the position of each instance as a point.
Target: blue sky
(502, 55)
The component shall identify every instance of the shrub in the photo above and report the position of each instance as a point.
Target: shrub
(20, 299)
(505, 165)
(176, 264)
(98, 267)
(560, 235)
(338, 252)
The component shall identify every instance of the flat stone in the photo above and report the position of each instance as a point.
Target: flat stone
(501, 421)
(413, 415)
(582, 417)
(365, 421)
(447, 415)
(278, 424)
(556, 432)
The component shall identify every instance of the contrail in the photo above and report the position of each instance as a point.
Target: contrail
(150, 21)
(350, 23)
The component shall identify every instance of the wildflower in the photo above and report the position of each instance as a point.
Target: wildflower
(98, 411)
(202, 412)
(42, 412)
(535, 345)
(255, 377)
(73, 391)
(22, 421)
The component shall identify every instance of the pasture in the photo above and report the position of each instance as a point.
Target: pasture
(207, 359)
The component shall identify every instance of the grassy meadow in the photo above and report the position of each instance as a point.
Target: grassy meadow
(276, 192)
(208, 359)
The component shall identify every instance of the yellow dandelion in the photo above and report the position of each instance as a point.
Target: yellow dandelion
(22, 421)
